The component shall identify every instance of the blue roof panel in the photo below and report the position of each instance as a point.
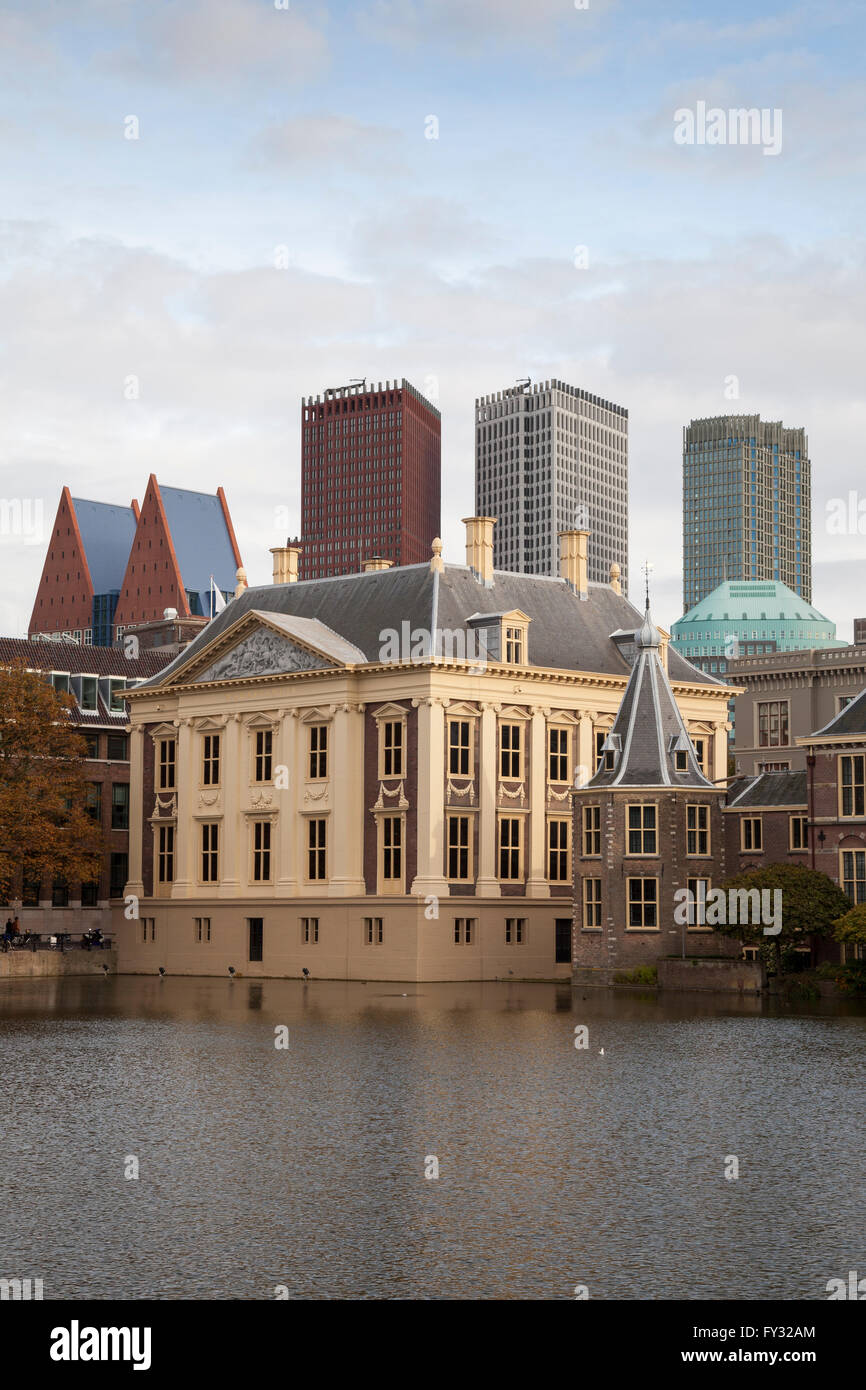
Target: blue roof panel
(201, 541)
(107, 532)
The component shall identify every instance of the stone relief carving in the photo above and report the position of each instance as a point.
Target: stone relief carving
(263, 653)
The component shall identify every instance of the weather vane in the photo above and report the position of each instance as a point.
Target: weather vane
(647, 568)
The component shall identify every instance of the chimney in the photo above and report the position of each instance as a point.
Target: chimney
(615, 573)
(286, 562)
(479, 547)
(573, 561)
(377, 562)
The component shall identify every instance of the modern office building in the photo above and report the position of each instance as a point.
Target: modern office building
(746, 505)
(549, 458)
(109, 568)
(370, 477)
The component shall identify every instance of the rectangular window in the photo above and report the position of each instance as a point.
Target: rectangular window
(210, 852)
(557, 755)
(202, 928)
(459, 748)
(698, 830)
(210, 772)
(464, 930)
(798, 832)
(120, 806)
(592, 902)
(854, 874)
(93, 800)
(89, 894)
(373, 934)
(316, 850)
(148, 928)
(701, 747)
(510, 749)
(392, 748)
(514, 645)
(558, 846)
(459, 852)
(89, 693)
(310, 931)
(256, 933)
(116, 700)
(261, 851)
(392, 848)
(165, 854)
(681, 760)
(515, 931)
(510, 843)
(118, 874)
(642, 830)
(696, 905)
(562, 948)
(852, 783)
(60, 893)
(600, 736)
(118, 748)
(772, 723)
(751, 838)
(591, 831)
(167, 764)
(318, 752)
(264, 755)
(91, 740)
(643, 903)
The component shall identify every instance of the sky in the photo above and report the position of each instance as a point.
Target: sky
(213, 208)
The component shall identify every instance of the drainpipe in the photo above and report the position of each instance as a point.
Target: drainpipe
(810, 763)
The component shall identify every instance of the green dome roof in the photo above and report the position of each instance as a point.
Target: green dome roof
(753, 600)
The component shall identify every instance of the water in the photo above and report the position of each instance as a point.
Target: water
(304, 1167)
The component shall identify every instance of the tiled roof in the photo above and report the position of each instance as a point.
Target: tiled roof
(768, 789)
(850, 720)
(565, 633)
(78, 660)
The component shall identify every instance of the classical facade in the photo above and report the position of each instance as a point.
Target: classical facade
(370, 776)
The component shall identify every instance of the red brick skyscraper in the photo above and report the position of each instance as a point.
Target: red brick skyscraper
(370, 462)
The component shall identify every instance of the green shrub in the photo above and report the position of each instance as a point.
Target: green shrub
(641, 975)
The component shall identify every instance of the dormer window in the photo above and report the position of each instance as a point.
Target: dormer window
(89, 692)
(514, 645)
(610, 751)
(679, 746)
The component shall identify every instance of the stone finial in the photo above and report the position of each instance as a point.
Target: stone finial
(615, 573)
(241, 577)
(436, 561)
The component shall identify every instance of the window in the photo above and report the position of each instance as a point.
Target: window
(116, 700)
(91, 742)
(373, 931)
(202, 928)
(510, 840)
(702, 748)
(261, 851)
(591, 831)
(515, 931)
(318, 752)
(562, 946)
(464, 930)
(751, 838)
(256, 937)
(643, 904)
(510, 761)
(165, 854)
(118, 748)
(263, 755)
(459, 747)
(210, 852)
(697, 902)
(698, 830)
(93, 800)
(210, 772)
(89, 894)
(558, 846)
(167, 764)
(681, 760)
(391, 743)
(392, 848)
(772, 723)
(798, 837)
(600, 736)
(641, 830)
(30, 891)
(120, 806)
(310, 931)
(852, 784)
(459, 848)
(773, 767)
(854, 874)
(316, 850)
(591, 903)
(148, 928)
(557, 755)
(60, 893)
(118, 874)
(514, 644)
(89, 694)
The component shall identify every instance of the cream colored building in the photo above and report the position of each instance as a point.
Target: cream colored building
(369, 776)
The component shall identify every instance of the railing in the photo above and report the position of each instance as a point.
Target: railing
(56, 941)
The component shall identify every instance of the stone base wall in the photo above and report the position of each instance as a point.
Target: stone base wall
(22, 964)
(729, 976)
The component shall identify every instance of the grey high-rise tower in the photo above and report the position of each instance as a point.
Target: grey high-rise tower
(551, 458)
(747, 497)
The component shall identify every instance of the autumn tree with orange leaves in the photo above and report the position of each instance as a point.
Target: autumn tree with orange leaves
(45, 830)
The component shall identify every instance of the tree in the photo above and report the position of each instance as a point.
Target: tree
(45, 830)
(851, 926)
(810, 904)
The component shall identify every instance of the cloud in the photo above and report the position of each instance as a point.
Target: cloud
(334, 142)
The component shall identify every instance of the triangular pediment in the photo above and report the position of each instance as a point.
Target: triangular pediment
(270, 644)
(263, 652)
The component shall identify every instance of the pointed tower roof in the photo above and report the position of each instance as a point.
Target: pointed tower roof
(88, 550)
(648, 732)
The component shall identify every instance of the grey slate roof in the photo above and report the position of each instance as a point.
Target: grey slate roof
(565, 632)
(649, 727)
(850, 720)
(768, 789)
